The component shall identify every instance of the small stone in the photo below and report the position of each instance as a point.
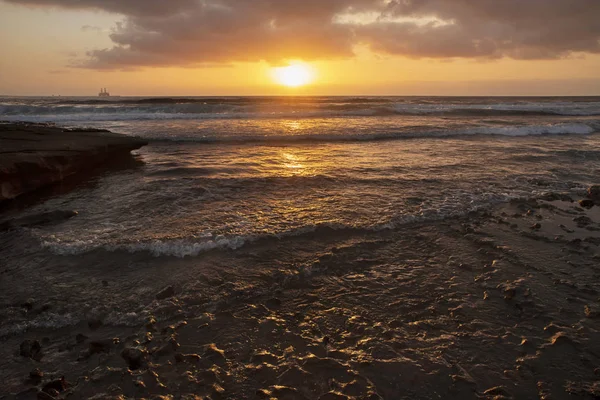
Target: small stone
(273, 303)
(591, 312)
(134, 357)
(35, 376)
(586, 203)
(509, 293)
(28, 304)
(497, 391)
(59, 386)
(537, 226)
(263, 394)
(148, 337)
(594, 192)
(326, 341)
(214, 354)
(167, 292)
(105, 283)
(31, 349)
(150, 324)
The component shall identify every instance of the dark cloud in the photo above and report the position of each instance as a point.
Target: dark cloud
(205, 32)
(127, 7)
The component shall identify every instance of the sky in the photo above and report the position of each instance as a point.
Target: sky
(350, 47)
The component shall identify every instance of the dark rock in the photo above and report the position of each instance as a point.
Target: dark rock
(134, 357)
(38, 155)
(35, 376)
(28, 304)
(215, 355)
(58, 385)
(100, 346)
(594, 192)
(273, 303)
(586, 203)
(536, 226)
(104, 283)
(263, 394)
(498, 391)
(167, 292)
(31, 349)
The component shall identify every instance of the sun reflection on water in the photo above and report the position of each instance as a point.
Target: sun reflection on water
(293, 163)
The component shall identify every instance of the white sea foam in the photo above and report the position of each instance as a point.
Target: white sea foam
(194, 246)
(533, 130)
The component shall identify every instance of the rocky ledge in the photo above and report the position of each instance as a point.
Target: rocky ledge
(36, 155)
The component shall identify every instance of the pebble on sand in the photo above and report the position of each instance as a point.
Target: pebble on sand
(594, 192)
(134, 357)
(586, 203)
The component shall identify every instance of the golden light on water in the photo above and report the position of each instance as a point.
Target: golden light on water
(294, 75)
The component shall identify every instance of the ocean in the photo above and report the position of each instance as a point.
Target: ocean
(312, 248)
(223, 172)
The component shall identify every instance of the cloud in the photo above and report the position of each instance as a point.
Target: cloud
(209, 32)
(91, 28)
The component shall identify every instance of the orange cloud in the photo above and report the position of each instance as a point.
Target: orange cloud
(209, 32)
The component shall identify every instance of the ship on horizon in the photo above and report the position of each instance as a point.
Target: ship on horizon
(103, 93)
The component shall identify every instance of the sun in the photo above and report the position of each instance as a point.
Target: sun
(294, 75)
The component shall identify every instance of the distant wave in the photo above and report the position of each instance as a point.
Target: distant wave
(514, 131)
(167, 109)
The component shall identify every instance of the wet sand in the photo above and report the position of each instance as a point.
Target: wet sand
(503, 303)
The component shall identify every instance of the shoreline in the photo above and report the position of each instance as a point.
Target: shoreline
(35, 155)
(501, 303)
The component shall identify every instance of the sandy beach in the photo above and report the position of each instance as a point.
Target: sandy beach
(299, 200)
(501, 303)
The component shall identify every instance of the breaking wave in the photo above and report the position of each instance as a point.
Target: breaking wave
(249, 107)
(424, 132)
